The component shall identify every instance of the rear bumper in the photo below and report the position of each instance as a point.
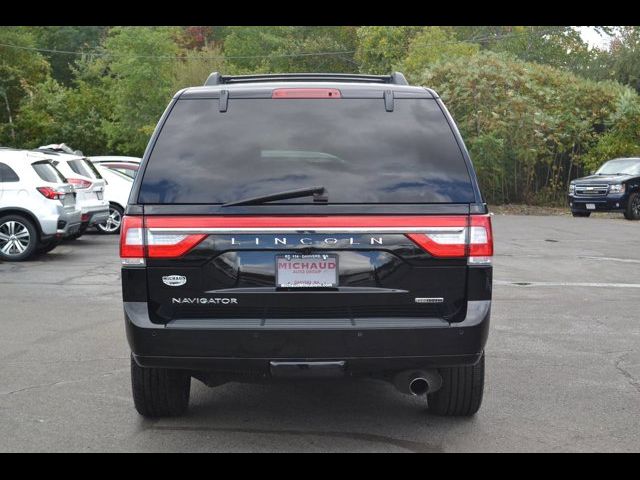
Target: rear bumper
(602, 204)
(367, 346)
(66, 222)
(95, 216)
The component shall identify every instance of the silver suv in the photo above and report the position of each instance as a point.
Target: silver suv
(37, 205)
(87, 182)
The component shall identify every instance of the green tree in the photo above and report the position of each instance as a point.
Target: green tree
(194, 69)
(528, 126)
(558, 46)
(21, 68)
(380, 49)
(622, 138)
(66, 39)
(624, 58)
(58, 114)
(277, 49)
(431, 45)
(139, 83)
(43, 115)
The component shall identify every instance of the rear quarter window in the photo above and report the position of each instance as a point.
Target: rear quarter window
(355, 148)
(7, 174)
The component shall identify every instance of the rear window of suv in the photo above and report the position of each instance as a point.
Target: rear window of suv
(84, 167)
(47, 172)
(353, 147)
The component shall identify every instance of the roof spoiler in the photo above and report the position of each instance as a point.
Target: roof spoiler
(396, 78)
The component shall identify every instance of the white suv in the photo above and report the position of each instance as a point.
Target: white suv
(88, 183)
(118, 172)
(116, 192)
(37, 205)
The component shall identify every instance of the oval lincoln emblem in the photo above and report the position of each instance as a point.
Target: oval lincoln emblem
(174, 280)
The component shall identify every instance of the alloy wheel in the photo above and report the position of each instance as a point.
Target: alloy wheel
(14, 238)
(112, 224)
(635, 207)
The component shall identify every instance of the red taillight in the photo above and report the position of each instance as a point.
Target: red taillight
(79, 183)
(136, 241)
(171, 245)
(51, 193)
(452, 241)
(481, 236)
(306, 93)
(132, 237)
(441, 244)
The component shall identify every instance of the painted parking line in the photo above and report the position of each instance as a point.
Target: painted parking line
(612, 259)
(566, 284)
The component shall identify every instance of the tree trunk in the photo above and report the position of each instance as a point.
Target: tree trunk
(8, 107)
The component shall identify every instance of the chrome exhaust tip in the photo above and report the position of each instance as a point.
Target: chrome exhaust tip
(418, 382)
(419, 386)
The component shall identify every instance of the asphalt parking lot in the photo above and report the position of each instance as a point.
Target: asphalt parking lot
(563, 361)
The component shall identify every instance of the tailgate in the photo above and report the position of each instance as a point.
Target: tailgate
(309, 267)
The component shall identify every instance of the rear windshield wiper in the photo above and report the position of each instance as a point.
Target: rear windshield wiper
(319, 195)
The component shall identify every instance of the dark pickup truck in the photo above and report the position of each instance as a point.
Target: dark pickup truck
(614, 187)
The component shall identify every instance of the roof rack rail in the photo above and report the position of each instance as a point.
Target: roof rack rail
(396, 78)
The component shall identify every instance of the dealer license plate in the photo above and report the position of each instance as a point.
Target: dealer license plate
(307, 271)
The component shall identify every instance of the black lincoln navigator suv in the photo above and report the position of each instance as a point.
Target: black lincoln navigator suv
(307, 225)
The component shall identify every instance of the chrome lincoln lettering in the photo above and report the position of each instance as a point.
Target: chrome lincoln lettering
(205, 301)
(286, 241)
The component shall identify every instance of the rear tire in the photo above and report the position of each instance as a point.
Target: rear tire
(461, 391)
(632, 212)
(159, 392)
(581, 214)
(18, 238)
